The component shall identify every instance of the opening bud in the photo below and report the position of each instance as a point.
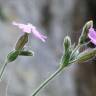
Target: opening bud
(84, 35)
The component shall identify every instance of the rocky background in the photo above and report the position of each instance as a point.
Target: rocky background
(56, 18)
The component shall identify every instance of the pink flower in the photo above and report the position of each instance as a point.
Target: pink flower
(92, 35)
(29, 28)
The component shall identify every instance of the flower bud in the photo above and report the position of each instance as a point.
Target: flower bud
(67, 43)
(67, 51)
(84, 35)
(21, 42)
(86, 55)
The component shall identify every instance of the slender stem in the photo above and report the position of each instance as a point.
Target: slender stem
(46, 82)
(2, 69)
(78, 46)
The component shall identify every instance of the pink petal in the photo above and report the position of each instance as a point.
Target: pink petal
(37, 34)
(92, 35)
(30, 28)
(23, 27)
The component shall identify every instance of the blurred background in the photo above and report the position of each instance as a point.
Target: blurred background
(56, 19)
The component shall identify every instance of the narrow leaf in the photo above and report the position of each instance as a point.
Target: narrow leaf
(26, 53)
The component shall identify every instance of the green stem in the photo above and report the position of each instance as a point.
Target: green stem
(46, 82)
(2, 69)
(78, 46)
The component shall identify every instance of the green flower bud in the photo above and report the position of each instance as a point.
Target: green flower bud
(67, 51)
(86, 55)
(67, 43)
(84, 35)
(21, 42)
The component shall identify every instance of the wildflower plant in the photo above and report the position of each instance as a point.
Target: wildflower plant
(71, 53)
(19, 48)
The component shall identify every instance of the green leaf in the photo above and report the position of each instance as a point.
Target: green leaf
(12, 56)
(26, 53)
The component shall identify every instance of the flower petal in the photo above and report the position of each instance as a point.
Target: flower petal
(37, 34)
(25, 28)
(92, 35)
(30, 28)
